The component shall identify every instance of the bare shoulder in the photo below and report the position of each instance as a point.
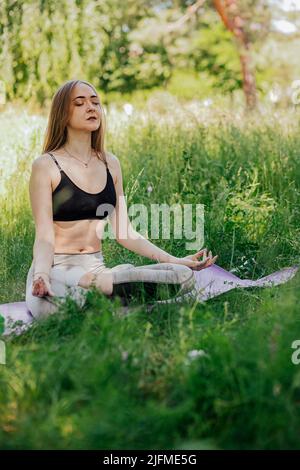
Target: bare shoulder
(112, 159)
(114, 164)
(42, 161)
(43, 167)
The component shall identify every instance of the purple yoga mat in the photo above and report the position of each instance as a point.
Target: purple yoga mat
(215, 280)
(210, 282)
(15, 312)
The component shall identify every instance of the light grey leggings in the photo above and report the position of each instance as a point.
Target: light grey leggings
(67, 269)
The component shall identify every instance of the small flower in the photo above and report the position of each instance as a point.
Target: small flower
(124, 355)
(128, 108)
(149, 189)
(194, 353)
(276, 389)
(207, 102)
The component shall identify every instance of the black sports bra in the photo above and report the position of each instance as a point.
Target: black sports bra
(72, 203)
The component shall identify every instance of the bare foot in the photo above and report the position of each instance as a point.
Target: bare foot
(86, 280)
(103, 281)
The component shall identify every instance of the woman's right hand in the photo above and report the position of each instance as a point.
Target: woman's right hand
(42, 287)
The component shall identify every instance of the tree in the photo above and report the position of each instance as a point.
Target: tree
(236, 18)
(248, 21)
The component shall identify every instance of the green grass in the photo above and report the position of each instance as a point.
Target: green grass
(95, 379)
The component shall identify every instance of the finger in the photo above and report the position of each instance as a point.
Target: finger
(208, 262)
(40, 288)
(205, 261)
(201, 263)
(207, 265)
(211, 261)
(39, 285)
(199, 253)
(35, 289)
(41, 291)
(196, 255)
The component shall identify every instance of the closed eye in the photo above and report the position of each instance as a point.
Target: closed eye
(81, 104)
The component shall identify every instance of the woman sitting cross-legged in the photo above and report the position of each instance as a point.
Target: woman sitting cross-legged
(75, 188)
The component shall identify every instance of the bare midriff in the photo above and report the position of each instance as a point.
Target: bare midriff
(78, 236)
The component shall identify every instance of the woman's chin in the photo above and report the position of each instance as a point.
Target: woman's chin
(93, 126)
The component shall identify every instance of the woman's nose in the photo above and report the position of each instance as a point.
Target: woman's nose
(91, 108)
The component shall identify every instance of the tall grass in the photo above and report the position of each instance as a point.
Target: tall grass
(214, 375)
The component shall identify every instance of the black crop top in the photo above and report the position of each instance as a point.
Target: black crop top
(72, 203)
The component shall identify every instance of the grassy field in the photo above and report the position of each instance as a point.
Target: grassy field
(217, 375)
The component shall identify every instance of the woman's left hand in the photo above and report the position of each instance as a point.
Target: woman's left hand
(192, 260)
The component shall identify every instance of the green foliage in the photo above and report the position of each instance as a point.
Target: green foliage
(123, 47)
(215, 53)
(197, 85)
(50, 41)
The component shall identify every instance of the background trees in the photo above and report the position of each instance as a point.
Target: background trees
(214, 46)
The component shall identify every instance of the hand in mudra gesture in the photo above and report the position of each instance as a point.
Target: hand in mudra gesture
(41, 286)
(192, 260)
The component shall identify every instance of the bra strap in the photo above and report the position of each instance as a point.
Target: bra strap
(53, 157)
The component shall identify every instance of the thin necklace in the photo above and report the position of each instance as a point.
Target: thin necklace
(84, 163)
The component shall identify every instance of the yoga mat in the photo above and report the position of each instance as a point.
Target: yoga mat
(17, 317)
(210, 282)
(214, 280)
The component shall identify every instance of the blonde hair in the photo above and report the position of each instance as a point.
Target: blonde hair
(56, 132)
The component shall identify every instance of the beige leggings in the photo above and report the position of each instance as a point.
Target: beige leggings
(67, 270)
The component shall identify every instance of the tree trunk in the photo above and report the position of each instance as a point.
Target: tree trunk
(234, 23)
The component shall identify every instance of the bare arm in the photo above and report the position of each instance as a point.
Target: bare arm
(41, 204)
(124, 231)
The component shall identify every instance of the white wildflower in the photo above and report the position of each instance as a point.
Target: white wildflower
(207, 102)
(128, 108)
(194, 353)
(124, 355)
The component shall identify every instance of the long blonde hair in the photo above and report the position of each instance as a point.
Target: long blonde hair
(56, 132)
